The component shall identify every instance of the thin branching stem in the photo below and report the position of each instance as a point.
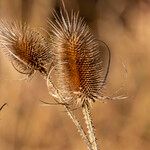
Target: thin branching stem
(90, 126)
(79, 128)
(71, 115)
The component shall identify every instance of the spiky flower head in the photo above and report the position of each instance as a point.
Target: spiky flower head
(79, 59)
(27, 49)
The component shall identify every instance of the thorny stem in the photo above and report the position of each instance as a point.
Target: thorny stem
(90, 126)
(79, 128)
(71, 115)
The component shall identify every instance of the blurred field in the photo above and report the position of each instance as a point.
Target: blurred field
(120, 125)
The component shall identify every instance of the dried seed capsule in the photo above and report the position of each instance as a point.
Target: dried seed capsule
(79, 69)
(27, 49)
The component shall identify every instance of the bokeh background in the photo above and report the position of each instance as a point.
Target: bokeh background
(25, 124)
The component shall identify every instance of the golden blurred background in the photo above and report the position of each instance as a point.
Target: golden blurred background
(120, 125)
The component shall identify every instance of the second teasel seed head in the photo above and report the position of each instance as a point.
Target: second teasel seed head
(27, 49)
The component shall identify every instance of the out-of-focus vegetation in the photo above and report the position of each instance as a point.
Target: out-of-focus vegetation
(120, 125)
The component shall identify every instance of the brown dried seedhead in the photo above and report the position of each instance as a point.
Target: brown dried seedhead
(27, 49)
(79, 61)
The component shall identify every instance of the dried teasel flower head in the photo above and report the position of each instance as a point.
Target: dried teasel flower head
(79, 72)
(27, 49)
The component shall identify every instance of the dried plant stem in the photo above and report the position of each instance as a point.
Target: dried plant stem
(90, 126)
(3, 106)
(79, 128)
(72, 116)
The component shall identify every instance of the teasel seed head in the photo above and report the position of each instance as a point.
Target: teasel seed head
(79, 60)
(27, 49)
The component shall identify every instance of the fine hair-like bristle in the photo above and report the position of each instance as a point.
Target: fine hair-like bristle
(27, 49)
(79, 59)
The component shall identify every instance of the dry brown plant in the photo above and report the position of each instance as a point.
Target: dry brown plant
(76, 60)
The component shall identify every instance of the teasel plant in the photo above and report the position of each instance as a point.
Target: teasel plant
(71, 60)
(78, 65)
